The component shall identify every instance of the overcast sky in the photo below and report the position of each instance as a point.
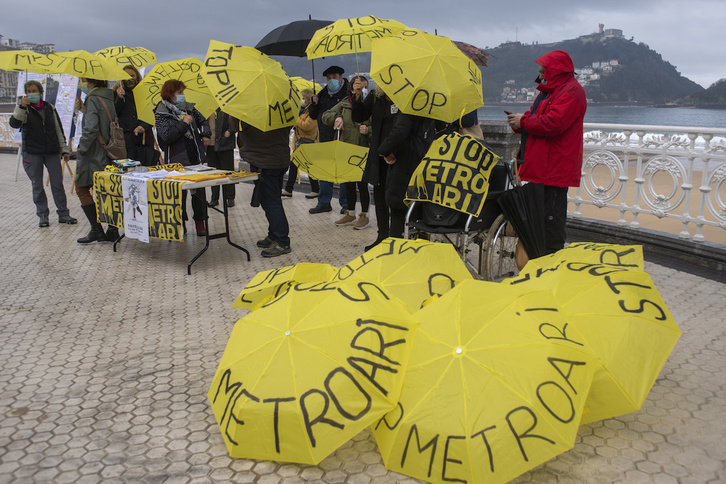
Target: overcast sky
(688, 34)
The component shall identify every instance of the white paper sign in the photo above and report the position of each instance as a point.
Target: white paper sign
(136, 214)
(66, 101)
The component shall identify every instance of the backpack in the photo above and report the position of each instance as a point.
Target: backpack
(116, 146)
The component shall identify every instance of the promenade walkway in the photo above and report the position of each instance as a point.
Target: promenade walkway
(106, 359)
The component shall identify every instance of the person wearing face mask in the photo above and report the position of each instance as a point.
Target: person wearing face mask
(183, 134)
(92, 156)
(551, 146)
(138, 135)
(335, 91)
(43, 145)
(305, 131)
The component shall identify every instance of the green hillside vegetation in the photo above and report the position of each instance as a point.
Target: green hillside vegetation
(641, 76)
(714, 96)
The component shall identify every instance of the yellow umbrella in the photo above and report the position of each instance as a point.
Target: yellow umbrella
(629, 257)
(454, 173)
(135, 56)
(267, 285)
(414, 271)
(618, 314)
(350, 36)
(333, 161)
(147, 94)
(486, 395)
(251, 86)
(301, 83)
(77, 63)
(426, 75)
(304, 374)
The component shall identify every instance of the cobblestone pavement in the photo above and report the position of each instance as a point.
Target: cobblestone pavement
(107, 358)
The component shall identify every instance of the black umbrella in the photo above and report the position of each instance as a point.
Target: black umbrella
(292, 39)
(524, 208)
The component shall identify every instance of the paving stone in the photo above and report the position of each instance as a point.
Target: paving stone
(105, 378)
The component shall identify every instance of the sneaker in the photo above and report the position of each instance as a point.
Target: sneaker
(363, 221)
(321, 209)
(274, 250)
(43, 221)
(347, 219)
(67, 219)
(311, 195)
(265, 243)
(285, 193)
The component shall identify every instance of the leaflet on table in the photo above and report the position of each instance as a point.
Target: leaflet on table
(157, 174)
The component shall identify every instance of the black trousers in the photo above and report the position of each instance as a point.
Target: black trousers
(223, 160)
(555, 210)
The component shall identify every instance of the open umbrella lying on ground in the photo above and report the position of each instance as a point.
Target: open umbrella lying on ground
(333, 161)
(616, 312)
(251, 86)
(148, 92)
(629, 257)
(267, 285)
(426, 75)
(309, 370)
(486, 395)
(524, 208)
(414, 271)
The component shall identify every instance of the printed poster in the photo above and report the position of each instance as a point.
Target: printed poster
(136, 211)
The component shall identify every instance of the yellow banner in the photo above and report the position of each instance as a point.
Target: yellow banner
(454, 174)
(168, 167)
(164, 205)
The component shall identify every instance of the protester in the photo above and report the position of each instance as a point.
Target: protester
(183, 136)
(220, 152)
(92, 156)
(268, 153)
(43, 145)
(138, 134)
(382, 113)
(305, 131)
(340, 118)
(335, 91)
(551, 147)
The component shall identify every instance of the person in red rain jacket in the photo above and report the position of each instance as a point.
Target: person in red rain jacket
(551, 149)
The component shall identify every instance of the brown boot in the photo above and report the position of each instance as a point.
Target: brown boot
(362, 222)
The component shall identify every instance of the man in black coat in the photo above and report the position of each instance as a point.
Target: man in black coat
(329, 96)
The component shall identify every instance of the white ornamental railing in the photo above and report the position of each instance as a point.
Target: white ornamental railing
(673, 173)
(7, 134)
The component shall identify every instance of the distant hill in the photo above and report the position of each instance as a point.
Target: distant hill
(713, 97)
(612, 69)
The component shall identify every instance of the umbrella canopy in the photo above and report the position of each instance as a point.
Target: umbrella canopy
(79, 63)
(148, 92)
(135, 56)
(251, 86)
(291, 39)
(524, 207)
(626, 256)
(619, 315)
(267, 285)
(308, 371)
(454, 173)
(414, 271)
(302, 83)
(426, 75)
(479, 56)
(333, 161)
(350, 36)
(486, 395)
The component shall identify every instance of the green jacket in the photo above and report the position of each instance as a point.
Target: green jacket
(351, 131)
(91, 155)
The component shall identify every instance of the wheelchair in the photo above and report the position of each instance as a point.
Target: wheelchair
(485, 243)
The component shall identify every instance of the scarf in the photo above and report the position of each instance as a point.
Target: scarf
(178, 112)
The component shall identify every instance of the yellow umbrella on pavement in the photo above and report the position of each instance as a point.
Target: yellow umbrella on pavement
(629, 257)
(305, 373)
(251, 86)
(414, 271)
(267, 285)
(135, 56)
(148, 92)
(350, 36)
(333, 161)
(487, 395)
(426, 75)
(620, 317)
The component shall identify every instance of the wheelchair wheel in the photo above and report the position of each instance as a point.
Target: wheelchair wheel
(498, 261)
